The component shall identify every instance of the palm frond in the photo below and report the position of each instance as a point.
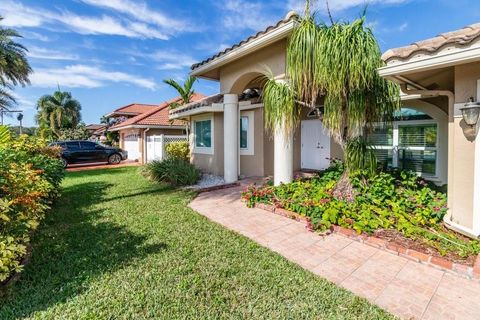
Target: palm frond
(5, 136)
(186, 91)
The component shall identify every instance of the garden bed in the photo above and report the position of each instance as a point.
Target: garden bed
(396, 243)
(397, 207)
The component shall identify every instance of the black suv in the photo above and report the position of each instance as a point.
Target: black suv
(89, 152)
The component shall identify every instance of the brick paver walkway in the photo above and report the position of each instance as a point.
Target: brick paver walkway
(403, 287)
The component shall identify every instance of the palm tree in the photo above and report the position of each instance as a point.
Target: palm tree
(186, 91)
(58, 111)
(14, 66)
(7, 101)
(338, 62)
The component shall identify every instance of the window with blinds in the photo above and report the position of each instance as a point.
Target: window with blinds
(409, 145)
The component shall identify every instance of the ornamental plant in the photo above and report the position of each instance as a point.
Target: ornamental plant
(174, 172)
(393, 200)
(30, 177)
(178, 150)
(334, 64)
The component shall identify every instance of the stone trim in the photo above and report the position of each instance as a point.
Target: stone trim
(219, 187)
(414, 255)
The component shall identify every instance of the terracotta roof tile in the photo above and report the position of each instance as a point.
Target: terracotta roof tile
(290, 16)
(157, 116)
(137, 108)
(460, 38)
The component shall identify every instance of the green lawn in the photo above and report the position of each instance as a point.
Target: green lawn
(116, 246)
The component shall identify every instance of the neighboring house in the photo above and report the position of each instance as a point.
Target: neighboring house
(137, 124)
(438, 76)
(97, 131)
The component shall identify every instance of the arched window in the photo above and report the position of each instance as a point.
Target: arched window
(409, 143)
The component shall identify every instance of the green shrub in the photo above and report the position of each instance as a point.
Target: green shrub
(30, 177)
(396, 200)
(172, 171)
(178, 150)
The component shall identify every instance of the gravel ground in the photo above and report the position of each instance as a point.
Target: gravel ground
(208, 180)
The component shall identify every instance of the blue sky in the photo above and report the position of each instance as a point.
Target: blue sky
(110, 53)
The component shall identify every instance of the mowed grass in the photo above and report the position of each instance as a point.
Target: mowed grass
(116, 246)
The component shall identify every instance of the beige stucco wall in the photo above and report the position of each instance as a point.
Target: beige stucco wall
(235, 76)
(169, 132)
(252, 165)
(210, 163)
(461, 191)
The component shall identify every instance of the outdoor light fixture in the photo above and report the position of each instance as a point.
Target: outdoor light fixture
(471, 112)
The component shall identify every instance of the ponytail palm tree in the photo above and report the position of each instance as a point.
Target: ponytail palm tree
(58, 111)
(336, 62)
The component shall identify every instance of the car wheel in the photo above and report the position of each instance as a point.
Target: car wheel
(114, 159)
(64, 162)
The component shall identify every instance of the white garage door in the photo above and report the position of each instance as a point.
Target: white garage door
(131, 145)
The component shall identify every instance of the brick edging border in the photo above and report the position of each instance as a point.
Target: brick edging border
(219, 187)
(414, 255)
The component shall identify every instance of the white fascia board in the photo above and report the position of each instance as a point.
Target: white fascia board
(216, 107)
(245, 49)
(146, 127)
(250, 106)
(435, 62)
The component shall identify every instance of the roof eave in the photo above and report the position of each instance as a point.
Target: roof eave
(248, 48)
(441, 60)
(146, 126)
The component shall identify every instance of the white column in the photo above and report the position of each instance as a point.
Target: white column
(283, 156)
(230, 140)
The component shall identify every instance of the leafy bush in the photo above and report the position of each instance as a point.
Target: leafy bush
(178, 150)
(172, 171)
(396, 200)
(80, 132)
(30, 177)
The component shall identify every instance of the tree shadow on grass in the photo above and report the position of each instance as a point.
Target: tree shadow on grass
(72, 248)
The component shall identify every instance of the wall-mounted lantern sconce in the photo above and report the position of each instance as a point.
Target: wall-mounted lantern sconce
(471, 112)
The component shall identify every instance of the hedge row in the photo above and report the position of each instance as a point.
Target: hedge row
(30, 177)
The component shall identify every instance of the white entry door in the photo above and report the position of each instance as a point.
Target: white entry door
(132, 146)
(315, 145)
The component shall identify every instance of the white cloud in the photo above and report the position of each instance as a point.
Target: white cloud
(378, 28)
(141, 12)
(23, 103)
(402, 27)
(85, 76)
(35, 36)
(240, 14)
(337, 5)
(18, 15)
(47, 54)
